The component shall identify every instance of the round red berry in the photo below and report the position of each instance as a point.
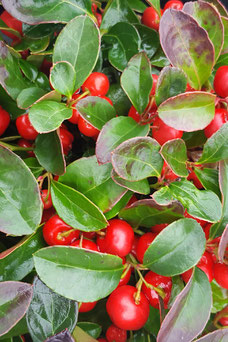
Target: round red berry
(174, 4)
(66, 139)
(155, 81)
(163, 133)
(221, 81)
(143, 243)
(151, 18)
(114, 334)
(97, 84)
(87, 129)
(46, 199)
(221, 274)
(85, 307)
(192, 177)
(27, 144)
(206, 264)
(219, 120)
(87, 244)
(25, 128)
(158, 228)
(75, 115)
(13, 23)
(4, 120)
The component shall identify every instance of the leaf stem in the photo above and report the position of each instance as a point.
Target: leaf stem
(15, 137)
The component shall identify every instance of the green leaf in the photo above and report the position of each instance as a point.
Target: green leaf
(142, 186)
(216, 336)
(36, 46)
(9, 104)
(11, 77)
(188, 112)
(171, 82)
(94, 181)
(19, 196)
(222, 60)
(39, 31)
(81, 336)
(79, 44)
(136, 81)
(119, 205)
(220, 299)
(96, 111)
(175, 154)
(49, 313)
(176, 249)
(53, 161)
(137, 158)
(153, 323)
(195, 55)
(178, 325)
(177, 287)
(28, 96)
(93, 329)
(124, 41)
(28, 69)
(75, 209)
(137, 5)
(159, 59)
(63, 77)
(16, 262)
(216, 147)
(34, 166)
(218, 228)
(42, 81)
(4, 27)
(194, 139)
(47, 10)
(147, 213)
(149, 40)
(117, 11)
(15, 299)
(90, 275)
(114, 133)
(204, 204)
(46, 116)
(220, 7)
(119, 99)
(209, 179)
(225, 44)
(156, 5)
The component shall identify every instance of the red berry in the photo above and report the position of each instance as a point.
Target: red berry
(201, 222)
(224, 319)
(12, 23)
(25, 128)
(174, 4)
(192, 177)
(206, 264)
(186, 275)
(97, 84)
(134, 114)
(134, 246)
(163, 133)
(66, 139)
(94, 7)
(221, 81)
(157, 280)
(155, 81)
(107, 99)
(75, 115)
(4, 120)
(125, 311)
(144, 242)
(221, 274)
(114, 334)
(47, 214)
(167, 173)
(127, 276)
(89, 235)
(87, 244)
(53, 229)
(207, 230)
(85, 307)
(99, 19)
(132, 200)
(47, 202)
(158, 228)
(151, 18)
(87, 129)
(189, 88)
(102, 340)
(219, 120)
(101, 244)
(26, 143)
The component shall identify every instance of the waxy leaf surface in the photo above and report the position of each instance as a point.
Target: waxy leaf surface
(81, 336)
(63, 77)
(142, 186)
(187, 46)
(225, 44)
(149, 40)
(28, 96)
(175, 154)
(220, 335)
(75, 209)
(90, 275)
(90, 328)
(63, 336)
(209, 179)
(176, 249)
(19, 196)
(178, 324)
(188, 112)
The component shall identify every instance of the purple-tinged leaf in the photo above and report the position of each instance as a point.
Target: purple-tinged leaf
(187, 46)
(46, 11)
(208, 17)
(63, 336)
(136, 81)
(15, 298)
(220, 335)
(223, 244)
(188, 112)
(137, 158)
(225, 45)
(190, 311)
(114, 132)
(175, 154)
(141, 187)
(220, 7)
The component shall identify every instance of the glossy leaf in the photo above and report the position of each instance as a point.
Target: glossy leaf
(142, 186)
(15, 299)
(207, 16)
(75, 209)
(156, 5)
(29, 70)
(119, 99)
(124, 41)
(38, 31)
(62, 78)
(188, 112)
(90, 275)
(171, 82)
(63, 336)
(220, 7)
(225, 45)
(136, 81)
(19, 329)
(79, 44)
(147, 213)
(176, 249)
(220, 335)
(9, 104)
(219, 297)
(28, 96)
(96, 110)
(117, 11)
(49, 313)
(175, 154)
(81, 336)
(10, 71)
(149, 40)
(200, 204)
(137, 158)
(19, 196)
(218, 228)
(93, 329)
(50, 11)
(216, 147)
(114, 133)
(34, 166)
(53, 161)
(223, 244)
(196, 55)
(178, 323)
(16, 262)
(6, 28)
(47, 116)
(36, 46)
(159, 59)
(137, 5)
(94, 181)
(153, 323)
(209, 179)
(119, 205)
